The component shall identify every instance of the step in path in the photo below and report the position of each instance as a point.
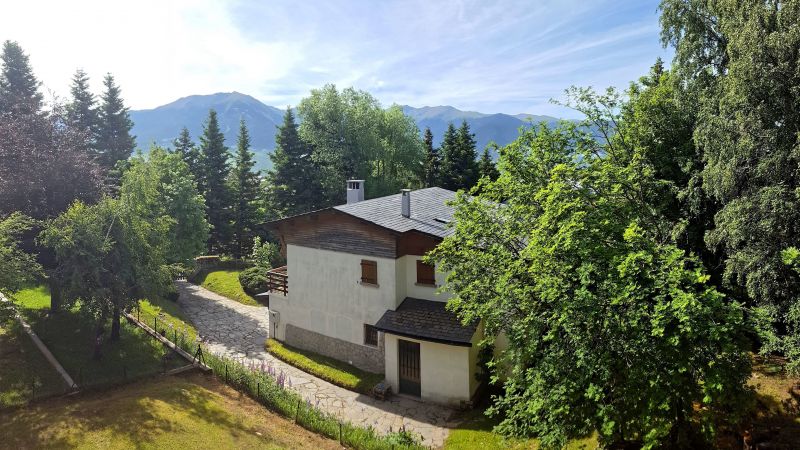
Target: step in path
(238, 331)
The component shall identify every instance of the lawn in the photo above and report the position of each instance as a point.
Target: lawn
(225, 283)
(70, 336)
(329, 369)
(24, 373)
(192, 411)
(777, 415)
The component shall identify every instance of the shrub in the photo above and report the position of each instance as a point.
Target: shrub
(253, 280)
(180, 270)
(266, 254)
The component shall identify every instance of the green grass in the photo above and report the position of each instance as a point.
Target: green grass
(225, 283)
(24, 372)
(329, 369)
(70, 336)
(194, 411)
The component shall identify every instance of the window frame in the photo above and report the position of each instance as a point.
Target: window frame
(426, 281)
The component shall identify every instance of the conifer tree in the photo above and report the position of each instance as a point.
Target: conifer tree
(19, 87)
(115, 142)
(294, 185)
(188, 152)
(82, 112)
(213, 183)
(245, 190)
(487, 167)
(432, 160)
(459, 168)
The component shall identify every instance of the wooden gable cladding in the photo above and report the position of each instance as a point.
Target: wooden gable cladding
(337, 231)
(416, 243)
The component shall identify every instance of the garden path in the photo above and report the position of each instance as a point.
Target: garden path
(238, 331)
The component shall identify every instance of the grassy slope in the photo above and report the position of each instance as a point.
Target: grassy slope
(70, 337)
(777, 416)
(170, 412)
(226, 283)
(332, 370)
(22, 366)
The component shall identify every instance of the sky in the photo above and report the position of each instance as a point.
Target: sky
(509, 56)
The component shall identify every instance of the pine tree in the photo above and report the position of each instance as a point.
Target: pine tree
(82, 113)
(432, 160)
(294, 185)
(245, 190)
(188, 152)
(214, 170)
(459, 168)
(487, 167)
(19, 87)
(114, 142)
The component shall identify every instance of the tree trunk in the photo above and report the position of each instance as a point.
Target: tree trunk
(98, 342)
(55, 294)
(115, 325)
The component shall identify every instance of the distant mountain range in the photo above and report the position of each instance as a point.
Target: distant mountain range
(161, 125)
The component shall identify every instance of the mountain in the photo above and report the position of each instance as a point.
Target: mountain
(161, 125)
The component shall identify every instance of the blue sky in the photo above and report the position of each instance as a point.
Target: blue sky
(502, 56)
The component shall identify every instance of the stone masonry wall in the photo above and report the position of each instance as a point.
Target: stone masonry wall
(364, 357)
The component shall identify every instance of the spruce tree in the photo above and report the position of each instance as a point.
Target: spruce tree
(82, 113)
(114, 142)
(188, 152)
(487, 167)
(245, 190)
(214, 170)
(19, 87)
(432, 160)
(294, 185)
(459, 168)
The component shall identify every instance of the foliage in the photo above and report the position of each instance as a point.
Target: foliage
(114, 141)
(19, 268)
(213, 182)
(19, 87)
(245, 192)
(253, 280)
(225, 283)
(329, 369)
(486, 167)
(433, 160)
(599, 309)
(294, 180)
(188, 152)
(160, 189)
(266, 254)
(459, 170)
(82, 112)
(352, 136)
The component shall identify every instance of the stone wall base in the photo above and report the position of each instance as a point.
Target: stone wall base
(364, 357)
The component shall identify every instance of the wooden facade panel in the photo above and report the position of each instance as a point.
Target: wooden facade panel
(416, 243)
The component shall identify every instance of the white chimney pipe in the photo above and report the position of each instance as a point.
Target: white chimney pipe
(405, 202)
(355, 191)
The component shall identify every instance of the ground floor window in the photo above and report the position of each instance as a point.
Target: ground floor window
(370, 335)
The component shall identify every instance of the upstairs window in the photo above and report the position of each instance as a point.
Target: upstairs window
(425, 274)
(369, 271)
(370, 335)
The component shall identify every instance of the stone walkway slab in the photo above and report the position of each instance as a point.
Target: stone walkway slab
(238, 331)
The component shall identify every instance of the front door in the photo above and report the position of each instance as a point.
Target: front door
(408, 354)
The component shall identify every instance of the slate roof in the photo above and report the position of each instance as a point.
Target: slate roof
(429, 211)
(426, 320)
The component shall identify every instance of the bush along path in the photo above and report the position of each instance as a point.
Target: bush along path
(235, 331)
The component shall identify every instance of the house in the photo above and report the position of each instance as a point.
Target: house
(355, 288)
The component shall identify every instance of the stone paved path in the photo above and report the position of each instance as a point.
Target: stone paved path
(232, 329)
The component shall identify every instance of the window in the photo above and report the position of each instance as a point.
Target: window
(369, 271)
(370, 335)
(425, 274)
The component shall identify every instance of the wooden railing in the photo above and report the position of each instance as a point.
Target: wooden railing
(277, 280)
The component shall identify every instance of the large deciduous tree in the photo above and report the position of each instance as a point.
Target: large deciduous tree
(18, 267)
(213, 183)
(245, 184)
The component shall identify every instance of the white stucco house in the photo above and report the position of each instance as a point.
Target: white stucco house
(355, 288)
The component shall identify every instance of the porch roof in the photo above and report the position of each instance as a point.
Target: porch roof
(427, 320)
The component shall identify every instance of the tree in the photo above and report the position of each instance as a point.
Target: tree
(245, 190)
(82, 112)
(160, 189)
(188, 153)
(610, 327)
(432, 160)
(459, 168)
(486, 167)
(213, 183)
(109, 257)
(354, 137)
(19, 87)
(294, 180)
(115, 142)
(19, 267)
(740, 59)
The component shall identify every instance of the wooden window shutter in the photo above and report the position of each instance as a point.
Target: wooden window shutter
(426, 274)
(369, 271)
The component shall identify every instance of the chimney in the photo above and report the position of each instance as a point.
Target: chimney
(355, 191)
(405, 202)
